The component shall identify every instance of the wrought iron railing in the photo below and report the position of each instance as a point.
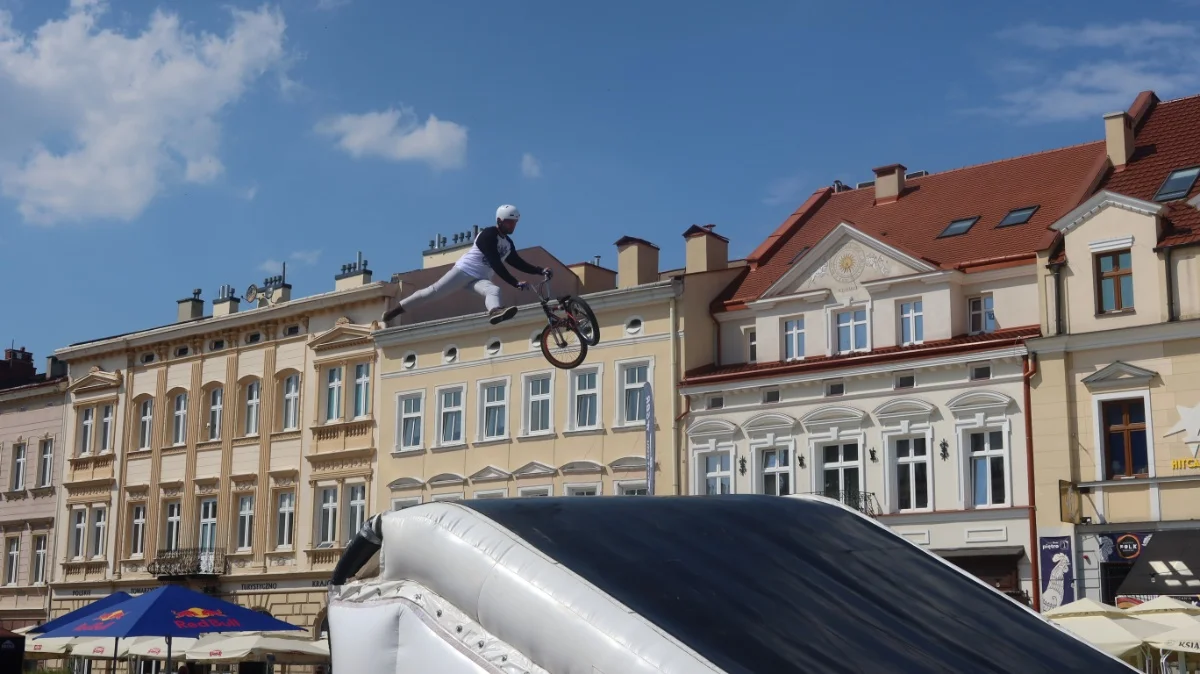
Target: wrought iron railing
(188, 562)
(862, 501)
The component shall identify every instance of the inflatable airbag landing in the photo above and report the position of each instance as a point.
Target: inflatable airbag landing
(677, 585)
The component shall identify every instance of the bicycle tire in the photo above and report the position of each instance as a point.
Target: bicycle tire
(545, 338)
(576, 306)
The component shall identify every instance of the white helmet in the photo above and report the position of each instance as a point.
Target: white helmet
(508, 212)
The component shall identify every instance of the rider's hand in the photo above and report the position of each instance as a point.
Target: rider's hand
(548, 273)
(521, 285)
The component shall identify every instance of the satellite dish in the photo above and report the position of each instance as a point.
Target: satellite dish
(252, 293)
(269, 291)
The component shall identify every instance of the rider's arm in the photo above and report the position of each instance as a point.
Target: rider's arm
(520, 264)
(489, 244)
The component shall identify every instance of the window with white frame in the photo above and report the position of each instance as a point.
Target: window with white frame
(253, 404)
(752, 345)
(137, 531)
(78, 532)
(905, 379)
(840, 472)
(179, 427)
(835, 387)
(989, 481)
(245, 531)
(99, 523)
(495, 410)
(490, 493)
(717, 476)
(851, 330)
(637, 488)
(18, 467)
(980, 314)
(633, 392)
(980, 371)
(171, 529)
(40, 552)
(362, 390)
(402, 503)
(793, 339)
(411, 420)
(776, 468)
(216, 406)
(333, 394)
(46, 463)
(286, 520)
(912, 323)
(357, 511)
(450, 415)
(85, 430)
(13, 560)
(106, 428)
(145, 423)
(770, 396)
(327, 518)
(533, 492)
(582, 490)
(537, 404)
(912, 473)
(291, 402)
(586, 394)
(453, 496)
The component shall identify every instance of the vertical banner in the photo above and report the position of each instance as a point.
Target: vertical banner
(648, 396)
(1058, 577)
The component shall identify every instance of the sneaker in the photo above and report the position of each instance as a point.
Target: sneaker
(501, 315)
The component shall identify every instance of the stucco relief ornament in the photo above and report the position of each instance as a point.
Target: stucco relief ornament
(1189, 420)
(847, 265)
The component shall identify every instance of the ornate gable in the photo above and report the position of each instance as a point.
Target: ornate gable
(628, 463)
(581, 467)
(533, 469)
(341, 336)
(490, 474)
(405, 483)
(95, 380)
(1119, 375)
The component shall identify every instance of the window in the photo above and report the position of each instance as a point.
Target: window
(39, 560)
(362, 390)
(835, 388)
(912, 474)
(286, 520)
(254, 338)
(410, 360)
(215, 407)
(181, 352)
(217, 345)
(988, 480)
(179, 429)
(146, 423)
(46, 463)
(633, 392)
(18, 467)
(776, 471)
(1114, 281)
(454, 496)
(981, 315)
(538, 405)
(587, 400)
(533, 492)
(905, 380)
(841, 472)
(402, 503)
(957, 227)
(715, 403)
(245, 536)
(632, 489)
(582, 490)
(106, 427)
(291, 331)
(793, 339)
(333, 394)
(912, 323)
(78, 532)
(752, 345)
(851, 330)
(147, 358)
(291, 402)
(981, 371)
(137, 531)
(327, 522)
(494, 493)
(770, 395)
(13, 561)
(1017, 216)
(450, 354)
(1178, 184)
(1125, 447)
(493, 347)
(450, 411)
(99, 522)
(717, 475)
(410, 421)
(208, 534)
(495, 410)
(633, 326)
(253, 401)
(358, 509)
(85, 431)
(171, 532)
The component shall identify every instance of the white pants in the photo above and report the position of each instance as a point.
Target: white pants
(456, 279)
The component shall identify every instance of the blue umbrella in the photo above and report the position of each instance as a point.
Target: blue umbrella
(114, 598)
(170, 611)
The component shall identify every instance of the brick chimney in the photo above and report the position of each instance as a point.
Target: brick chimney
(1118, 138)
(705, 249)
(637, 262)
(889, 183)
(353, 275)
(592, 277)
(226, 303)
(190, 308)
(17, 368)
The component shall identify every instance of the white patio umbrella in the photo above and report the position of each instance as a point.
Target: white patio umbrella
(1108, 628)
(286, 647)
(155, 648)
(1167, 611)
(48, 649)
(96, 648)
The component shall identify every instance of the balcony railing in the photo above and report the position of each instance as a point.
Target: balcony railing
(188, 563)
(862, 501)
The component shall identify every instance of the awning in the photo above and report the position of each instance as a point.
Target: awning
(1001, 551)
(1168, 565)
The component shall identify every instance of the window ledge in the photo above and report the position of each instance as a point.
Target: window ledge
(1119, 312)
(286, 434)
(487, 442)
(245, 440)
(448, 447)
(280, 552)
(408, 451)
(209, 444)
(599, 430)
(44, 490)
(240, 553)
(631, 427)
(536, 436)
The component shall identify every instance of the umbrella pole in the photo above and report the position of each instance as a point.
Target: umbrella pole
(169, 663)
(116, 647)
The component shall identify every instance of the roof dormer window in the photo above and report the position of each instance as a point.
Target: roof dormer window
(1178, 184)
(1017, 216)
(960, 226)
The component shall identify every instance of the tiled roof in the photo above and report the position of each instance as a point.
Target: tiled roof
(710, 374)
(1055, 180)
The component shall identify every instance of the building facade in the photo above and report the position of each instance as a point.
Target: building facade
(31, 436)
(234, 452)
(831, 380)
(1116, 395)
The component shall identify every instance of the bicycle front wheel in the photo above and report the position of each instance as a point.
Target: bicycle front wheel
(563, 346)
(589, 327)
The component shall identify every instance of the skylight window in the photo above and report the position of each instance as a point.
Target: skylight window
(959, 226)
(1178, 184)
(1018, 216)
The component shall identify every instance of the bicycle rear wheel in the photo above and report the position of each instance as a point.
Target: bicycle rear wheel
(559, 342)
(589, 327)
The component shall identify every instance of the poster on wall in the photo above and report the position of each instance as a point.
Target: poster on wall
(1058, 576)
(1124, 547)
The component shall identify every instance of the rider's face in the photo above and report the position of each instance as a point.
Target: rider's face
(507, 226)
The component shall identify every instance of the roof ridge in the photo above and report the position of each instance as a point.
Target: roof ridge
(1177, 100)
(1013, 158)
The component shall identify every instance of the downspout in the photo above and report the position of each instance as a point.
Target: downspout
(1030, 369)
(1056, 270)
(1171, 311)
(675, 385)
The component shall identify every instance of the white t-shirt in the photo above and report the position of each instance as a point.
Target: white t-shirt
(475, 263)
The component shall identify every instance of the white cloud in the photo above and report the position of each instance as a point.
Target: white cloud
(305, 257)
(271, 266)
(106, 120)
(309, 257)
(530, 166)
(250, 192)
(397, 135)
(787, 190)
(331, 4)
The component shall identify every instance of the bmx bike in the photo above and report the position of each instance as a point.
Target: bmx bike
(571, 327)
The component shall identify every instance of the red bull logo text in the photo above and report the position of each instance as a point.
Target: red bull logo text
(214, 654)
(99, 650)
(196, 618)
(102, 621)
(154, 651)
(114, 615)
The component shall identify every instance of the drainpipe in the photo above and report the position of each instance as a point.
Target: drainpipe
(1171, 311)
(1030, 369)
(1056, 270)
(675, 387)
(683, 455)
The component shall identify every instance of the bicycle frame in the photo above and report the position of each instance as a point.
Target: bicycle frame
(542, 289)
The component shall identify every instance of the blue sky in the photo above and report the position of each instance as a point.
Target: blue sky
(148, 148)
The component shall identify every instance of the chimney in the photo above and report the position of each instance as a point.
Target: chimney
(354, 275)
(226, 303)
(190, 308)
(1118, 137)
(55, 368)
(637, 262)
(17, 368)
(278, 287)
(592, 277)
(445, 250)
(705, 249)
(889, 183)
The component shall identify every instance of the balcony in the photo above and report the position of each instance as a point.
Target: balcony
(188, 563)
(862, 501)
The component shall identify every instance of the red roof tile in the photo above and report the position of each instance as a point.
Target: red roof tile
(711, 374)
(1055, 180)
